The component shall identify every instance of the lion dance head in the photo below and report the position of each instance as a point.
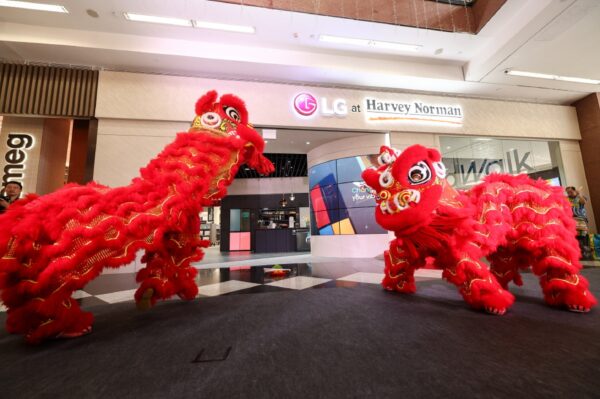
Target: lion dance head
(409, 185)
(229, 117)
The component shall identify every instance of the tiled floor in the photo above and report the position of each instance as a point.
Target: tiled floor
(246, 273)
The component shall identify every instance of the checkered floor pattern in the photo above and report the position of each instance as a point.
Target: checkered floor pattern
(297, 282)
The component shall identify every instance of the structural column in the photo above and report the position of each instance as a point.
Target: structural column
(588, 115)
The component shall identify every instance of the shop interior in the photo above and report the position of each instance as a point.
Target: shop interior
(277, 220)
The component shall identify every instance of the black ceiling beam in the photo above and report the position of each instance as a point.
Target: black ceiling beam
(286, 165)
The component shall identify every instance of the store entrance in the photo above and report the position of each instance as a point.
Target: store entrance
(272, 213)
(43, 154)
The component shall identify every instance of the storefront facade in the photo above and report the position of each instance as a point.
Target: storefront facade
(476, 137)
(47, 126)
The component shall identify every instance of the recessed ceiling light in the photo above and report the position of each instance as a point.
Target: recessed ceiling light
(551, 77)
(157, 20)
(225, 27)
(34, 6)
(370, 43)
(308, 142)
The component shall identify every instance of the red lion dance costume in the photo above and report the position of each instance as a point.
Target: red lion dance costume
(55, 244)
(512, 220)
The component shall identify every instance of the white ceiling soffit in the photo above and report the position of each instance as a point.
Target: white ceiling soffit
(558, 39)
(550, 36)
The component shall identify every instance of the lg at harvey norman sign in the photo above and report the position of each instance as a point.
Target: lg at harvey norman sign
(376, 110)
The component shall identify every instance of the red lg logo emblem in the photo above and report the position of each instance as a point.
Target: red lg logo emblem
(305, 104)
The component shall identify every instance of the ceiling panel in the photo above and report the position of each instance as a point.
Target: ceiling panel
(551, 36)
(465, 16)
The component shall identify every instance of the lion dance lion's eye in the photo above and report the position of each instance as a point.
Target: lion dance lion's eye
(419, 173)
(232, 113)
(440, 170)
(386, 179)
(210, 119)
(385, 158)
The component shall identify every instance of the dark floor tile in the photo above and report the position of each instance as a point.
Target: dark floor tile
(328, 284)
(107, 283)
(258, 289)
(90, 302)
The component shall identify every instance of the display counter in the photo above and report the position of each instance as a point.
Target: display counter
(279, 240)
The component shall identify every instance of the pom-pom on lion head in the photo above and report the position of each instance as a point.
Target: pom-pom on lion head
(409, 185)
(229, 117)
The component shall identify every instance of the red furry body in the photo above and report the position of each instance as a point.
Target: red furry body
(55, 244)
(514, 221)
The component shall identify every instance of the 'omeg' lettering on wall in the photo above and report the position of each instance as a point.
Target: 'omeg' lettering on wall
(16, 156)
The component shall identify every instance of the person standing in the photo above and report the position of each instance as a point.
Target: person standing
(578, 201)
(12, 192)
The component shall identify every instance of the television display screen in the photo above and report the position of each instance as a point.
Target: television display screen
(340, 202)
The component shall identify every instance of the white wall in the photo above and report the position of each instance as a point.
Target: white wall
(350, 246)
(349, 147)
(138, 96)
(271, 185)
(125, 146)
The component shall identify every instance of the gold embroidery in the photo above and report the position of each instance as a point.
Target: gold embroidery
(537, 209)
(537, 226)
(539, 192)
(574, 281)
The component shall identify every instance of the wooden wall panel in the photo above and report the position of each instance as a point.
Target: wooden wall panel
(47, 90)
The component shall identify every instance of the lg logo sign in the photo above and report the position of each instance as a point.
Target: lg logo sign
(305, 104)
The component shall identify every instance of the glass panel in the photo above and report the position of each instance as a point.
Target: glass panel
(327, 198)
(244, 242)
(304, 217)
(324, 221)
(517, 156)
(355, 194)
(234, 219)
(323, 174)
(324, 198)
(363, 220)
(468, 160)
(350, 169)
(245, 220)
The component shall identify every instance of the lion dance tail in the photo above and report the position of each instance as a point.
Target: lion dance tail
(37, 309)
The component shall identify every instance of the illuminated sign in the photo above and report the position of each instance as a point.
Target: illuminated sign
(16, 156)
(305, 104)
(377, 111)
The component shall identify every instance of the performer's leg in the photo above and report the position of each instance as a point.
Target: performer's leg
(399, 272)
(55, 316)
(478, 286)
(505, 264)
(187, 248)
(168, 272)
(558, 269)
(156, 280)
